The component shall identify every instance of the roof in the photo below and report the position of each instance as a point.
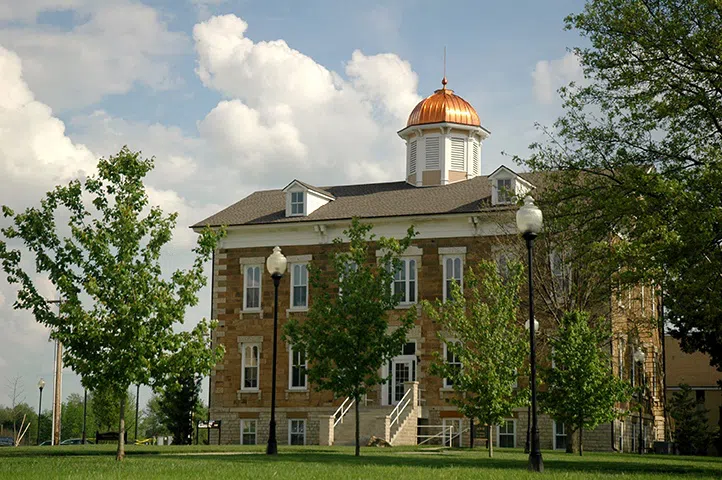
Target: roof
(444, 106)
(370, 200)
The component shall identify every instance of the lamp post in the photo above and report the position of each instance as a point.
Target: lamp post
(276, 266)
(527, 445)
(529, 222)
(41, 385)
(639, 358)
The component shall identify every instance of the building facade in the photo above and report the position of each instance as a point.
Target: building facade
(461, 217)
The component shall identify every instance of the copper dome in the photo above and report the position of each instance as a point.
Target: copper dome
(444, 106)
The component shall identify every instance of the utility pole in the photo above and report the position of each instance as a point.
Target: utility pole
(58, 385)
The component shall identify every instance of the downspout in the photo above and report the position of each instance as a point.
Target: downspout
(611, 354)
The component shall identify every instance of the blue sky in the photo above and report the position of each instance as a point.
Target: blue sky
(234, 96)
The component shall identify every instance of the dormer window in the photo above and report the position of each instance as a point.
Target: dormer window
(297, 203)
(505, 192)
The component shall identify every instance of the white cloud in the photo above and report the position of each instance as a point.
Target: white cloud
(549, 75)
(118, 44)
(289, 114)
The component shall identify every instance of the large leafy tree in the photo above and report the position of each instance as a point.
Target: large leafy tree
(178, 400)
(485, 335)
(346, 336)
(692, 434)
(118, 312)
(581, 391)
(638, 154)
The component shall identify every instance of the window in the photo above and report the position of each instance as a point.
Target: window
(248, 432)
(699, 396)
(506, 434)
(561, 273)
(349, 267)
(453, 361)
(405, 281)
(452, 432)
(432, 153)
(453, 272)
(297, 432)
(297, 203)
(503, 190)
(249, 360)
(560, 436)
(299, 282)
(503, 262)
(458, 154)
(412, 157)
(297, 369)
(252, 289)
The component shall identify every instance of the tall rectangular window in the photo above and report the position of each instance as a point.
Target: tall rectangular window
(248, 431)
(560, 436)
(453, 273)
(458, 154)
(503, 190)
(432, 153)
(249, 360)
(405, 281)
(299, 285)
(506, 434)
(503, 261)
(297, 432)
(454, 363)
(297, 369)
(252, 287)
(561, 273)
(297, 203)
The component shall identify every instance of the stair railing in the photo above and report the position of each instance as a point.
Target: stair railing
(400, 407)
(342, 410)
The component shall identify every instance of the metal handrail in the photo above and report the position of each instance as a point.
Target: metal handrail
(443, 431)
(398, 411)
(341, 411)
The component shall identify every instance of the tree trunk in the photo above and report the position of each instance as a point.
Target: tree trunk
(358, 426)
(581, 440)
(571, 439)
(471, 433)
(491, 440)
(121, 431)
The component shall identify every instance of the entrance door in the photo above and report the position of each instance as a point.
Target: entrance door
(401, 374)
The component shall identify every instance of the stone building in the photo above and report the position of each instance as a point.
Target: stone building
(461, 217)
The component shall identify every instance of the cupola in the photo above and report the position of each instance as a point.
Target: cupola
(443, 140)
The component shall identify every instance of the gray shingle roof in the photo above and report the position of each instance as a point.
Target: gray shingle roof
(371, 200)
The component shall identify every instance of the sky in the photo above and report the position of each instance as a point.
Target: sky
(233, 96)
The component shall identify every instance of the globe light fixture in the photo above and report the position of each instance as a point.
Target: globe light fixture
(276, 262)
(276, 266)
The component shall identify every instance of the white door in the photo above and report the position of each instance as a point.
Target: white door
(402, 373)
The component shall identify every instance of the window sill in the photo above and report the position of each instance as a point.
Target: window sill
(252, 310)
(297, 309)
(447, 390)
(297, 390)
(249, 390)
(405, 306)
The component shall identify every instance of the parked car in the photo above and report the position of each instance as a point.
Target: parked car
(6, 442)
(46, 443)
(75, 441)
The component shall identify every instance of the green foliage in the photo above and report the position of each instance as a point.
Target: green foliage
(691, 432)
(151, 424)
(71, 418)
(177, 402)
(346, 337)
(118, 313)
(638, 153)
(485, 335)
(581, 390)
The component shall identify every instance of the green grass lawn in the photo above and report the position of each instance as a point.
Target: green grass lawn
(213, 462)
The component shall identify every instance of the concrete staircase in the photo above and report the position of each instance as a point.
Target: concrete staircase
(395, 425)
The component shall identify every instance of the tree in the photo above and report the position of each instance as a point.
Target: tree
(638, 155)
(151, 425)
(346, 337)
(177, 402)
(581, 391)
(72, 418)
(485, 336)
(691, 432)
(117, 315)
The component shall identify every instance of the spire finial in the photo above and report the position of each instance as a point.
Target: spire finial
(443, 80)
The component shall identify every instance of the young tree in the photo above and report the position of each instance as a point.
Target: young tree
(151, 425)
(484, 334)
(691, 432)
(72, 418)
(638, 153)
(117, 315)
(346, 337)
(177, 403)
(581, 390)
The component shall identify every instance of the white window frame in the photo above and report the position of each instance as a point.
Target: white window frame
(554, 435)
(408, 290)
(498, 433)
(304, 387)
(244, 347)
(293, 203)
(455, 439)
(249, 421)
(453, 258)
(504, 194)
(290, 431)
(505, 256)
(447, 384)
(293, 286)
(246, 308)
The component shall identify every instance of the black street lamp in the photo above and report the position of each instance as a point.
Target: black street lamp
(639, 358)
(527, 445)
(41, 385)
(276, 266)
(529, 222)
(84, 440)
